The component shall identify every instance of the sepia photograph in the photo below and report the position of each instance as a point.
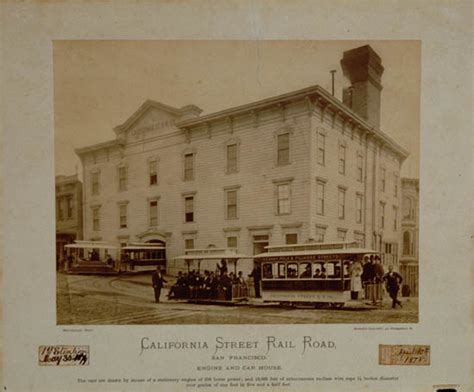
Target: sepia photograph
(236, 182)
(219, 196)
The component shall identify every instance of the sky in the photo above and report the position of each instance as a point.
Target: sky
(99, 84)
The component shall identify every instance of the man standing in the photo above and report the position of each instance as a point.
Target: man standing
(379, 274)
(392, 283)
(257, 277)
(379, 270)
(158, 280)
(367, 278)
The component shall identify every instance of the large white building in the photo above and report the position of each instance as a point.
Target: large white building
(292, 168)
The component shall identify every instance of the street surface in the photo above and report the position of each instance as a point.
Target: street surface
(96, 300)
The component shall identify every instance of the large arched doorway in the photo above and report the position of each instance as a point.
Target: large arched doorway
(152, 245)
(157, 254)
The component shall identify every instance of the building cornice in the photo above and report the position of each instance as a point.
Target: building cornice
(66, 180)
(410, 181)
(312, 93)
(111, 144)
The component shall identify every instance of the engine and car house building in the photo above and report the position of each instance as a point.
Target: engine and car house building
(294, 168)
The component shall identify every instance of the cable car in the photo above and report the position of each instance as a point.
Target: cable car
(221, 287)
(316, 273)
(143, 255)
(91, 257)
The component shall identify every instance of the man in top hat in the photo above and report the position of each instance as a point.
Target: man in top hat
(158, 282)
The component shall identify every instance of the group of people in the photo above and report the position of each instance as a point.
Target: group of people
(371, 276)
(197, 285)
(212, 284)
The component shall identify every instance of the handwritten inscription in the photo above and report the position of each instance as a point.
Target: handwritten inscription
(63, 355)
(406, 354)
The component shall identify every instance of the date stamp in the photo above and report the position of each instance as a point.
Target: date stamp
(63, 355)
(404, 355)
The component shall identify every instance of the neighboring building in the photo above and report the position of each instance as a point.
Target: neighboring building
(68, 213)
(298, 167)
(409, 234)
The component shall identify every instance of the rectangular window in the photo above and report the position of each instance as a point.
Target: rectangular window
(291, 238)
(123, 215)
(341, 235)
(359, 208)
(382, 215)
(95, 183)
(284, 149)
(382, 179)
(320, 234)
(232, 242)
(395, 185)
(189, 209)
(342, 159)
(283, 199)
(231, 158)
(69, 206)
(60, 208)
(122, 178)
(360, 167)
(395, 218)
(320, 195)
(341, 199)
(153, 172)
(153, 212)
(189, 243)
(321, 148)
(95, 219)
(189, 167)
(231, 201)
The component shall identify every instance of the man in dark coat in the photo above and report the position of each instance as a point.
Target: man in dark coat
(226, 285)
(368, 272)
(158, 281)
(256, 274)
(392, 283)
(379, 270)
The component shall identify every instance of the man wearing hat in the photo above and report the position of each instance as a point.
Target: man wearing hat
(379, 274)
(378, 269)
(392, 283)
(158, 282)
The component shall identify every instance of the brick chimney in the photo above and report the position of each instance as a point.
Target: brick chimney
(363, 67)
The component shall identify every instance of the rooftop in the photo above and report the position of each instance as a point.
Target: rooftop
(314, 94)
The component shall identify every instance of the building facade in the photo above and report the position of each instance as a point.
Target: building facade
(68, 214)
(298, 167)
(409, 233)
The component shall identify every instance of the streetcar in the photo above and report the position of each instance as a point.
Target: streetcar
(312, 274)
(215, 286)
(143, 256)
(91, 257)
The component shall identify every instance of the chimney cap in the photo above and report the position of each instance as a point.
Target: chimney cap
(362, 63)
(365, 50)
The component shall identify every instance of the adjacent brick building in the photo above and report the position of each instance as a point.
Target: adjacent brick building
(68, 214)
(301, 166)
(409, 233)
